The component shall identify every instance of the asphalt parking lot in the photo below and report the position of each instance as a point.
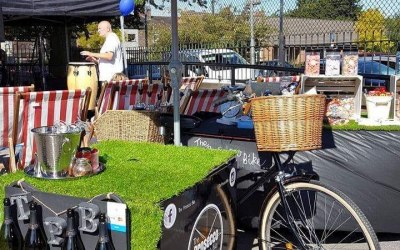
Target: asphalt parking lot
(247, 240)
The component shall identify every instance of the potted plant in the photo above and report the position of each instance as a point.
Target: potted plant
(378, 103)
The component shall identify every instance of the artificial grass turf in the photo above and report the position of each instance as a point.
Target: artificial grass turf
(354, 126)
(142, 174)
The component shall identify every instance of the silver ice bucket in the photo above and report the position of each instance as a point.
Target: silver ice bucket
(55, 150)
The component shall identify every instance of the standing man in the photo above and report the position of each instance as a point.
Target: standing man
(110, 56)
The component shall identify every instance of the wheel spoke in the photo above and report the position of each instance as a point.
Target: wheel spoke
(328, 220)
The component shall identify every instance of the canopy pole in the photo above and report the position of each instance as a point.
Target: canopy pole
(121, 20)
(175, 69)
(67, 39)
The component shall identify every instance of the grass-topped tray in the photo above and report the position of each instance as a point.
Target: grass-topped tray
(354, 126)
(143, 175)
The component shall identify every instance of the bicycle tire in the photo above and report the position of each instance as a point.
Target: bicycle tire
(309, 217)
(216, 214)
(229, 216)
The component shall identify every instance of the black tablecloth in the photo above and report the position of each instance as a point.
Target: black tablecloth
(365, 165)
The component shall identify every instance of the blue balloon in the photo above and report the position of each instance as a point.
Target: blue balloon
(126, 7)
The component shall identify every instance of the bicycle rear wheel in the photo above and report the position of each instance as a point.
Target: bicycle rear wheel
(324, 218)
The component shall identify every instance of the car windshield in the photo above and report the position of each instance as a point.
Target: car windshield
(226, 58)
(372, 67)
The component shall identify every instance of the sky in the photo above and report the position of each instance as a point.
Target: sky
(387, 7)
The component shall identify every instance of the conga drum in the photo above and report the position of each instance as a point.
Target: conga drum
(82, 75)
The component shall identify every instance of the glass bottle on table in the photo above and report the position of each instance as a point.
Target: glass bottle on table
(10, 231)
(82, 167)
(35, 238)
(103, 242)
(72, 241)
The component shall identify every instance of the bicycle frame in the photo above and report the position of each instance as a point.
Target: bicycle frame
(277, 173)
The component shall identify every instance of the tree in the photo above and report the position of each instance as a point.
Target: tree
(327, 9)
(206, 28)
(371, 30)
(393, 27)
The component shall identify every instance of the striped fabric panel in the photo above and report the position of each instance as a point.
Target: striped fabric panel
(13, 90)
(188, 82)
(128, 96)
(6, 117)
(106, 99)
(202, 100)
(45, 109)
(278, 79)
(130, 82)
(117, 104)
(150, 96)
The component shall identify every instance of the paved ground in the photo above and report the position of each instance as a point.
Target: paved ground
(247, 240)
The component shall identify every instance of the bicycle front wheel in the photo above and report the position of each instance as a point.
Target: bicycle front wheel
(324, 218)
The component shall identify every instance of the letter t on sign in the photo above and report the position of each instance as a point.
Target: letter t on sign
(20, 200)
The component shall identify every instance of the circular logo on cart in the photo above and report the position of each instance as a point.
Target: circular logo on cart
(169, 216)
(232, 177)
(207, 232)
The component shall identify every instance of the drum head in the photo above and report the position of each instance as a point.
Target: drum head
(81, 63)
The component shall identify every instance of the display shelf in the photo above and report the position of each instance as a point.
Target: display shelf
(342, 86)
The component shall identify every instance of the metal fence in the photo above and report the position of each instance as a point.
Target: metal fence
(22, 63)
(260, 31)
(370, 26)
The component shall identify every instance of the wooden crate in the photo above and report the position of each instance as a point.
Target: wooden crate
(346, 86)
(395, 89)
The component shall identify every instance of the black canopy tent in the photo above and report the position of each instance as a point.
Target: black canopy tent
(57, 8)
(54, 9)
(62, 13)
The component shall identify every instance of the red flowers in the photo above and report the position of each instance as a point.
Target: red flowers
(380, 91)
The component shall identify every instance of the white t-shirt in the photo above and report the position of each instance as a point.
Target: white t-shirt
(108, 68)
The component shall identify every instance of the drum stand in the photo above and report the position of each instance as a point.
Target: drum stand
(39, 48)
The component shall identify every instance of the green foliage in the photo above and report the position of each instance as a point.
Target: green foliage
(222, 27)
(370, 26)
(142, 174)
(93, 40)
(393, 26)
(327, 9)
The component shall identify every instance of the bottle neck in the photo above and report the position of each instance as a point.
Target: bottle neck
(33, 217)
(70, 224)
(103, 233)
(7, 212)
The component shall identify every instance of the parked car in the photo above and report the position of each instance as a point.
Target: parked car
(387, 60)
(273, 63)
(376, 68)
(219, 70)
(139, 71)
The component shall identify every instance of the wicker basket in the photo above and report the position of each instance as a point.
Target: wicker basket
(128, 125)
(288, 123)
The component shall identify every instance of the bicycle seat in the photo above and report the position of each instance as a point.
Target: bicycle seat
(187, 121)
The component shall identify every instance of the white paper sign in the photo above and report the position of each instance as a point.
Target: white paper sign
(117, 214)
